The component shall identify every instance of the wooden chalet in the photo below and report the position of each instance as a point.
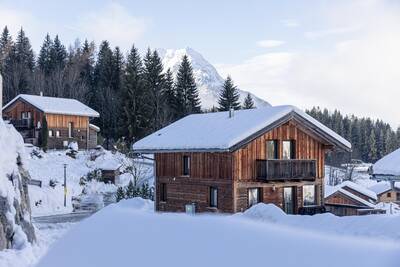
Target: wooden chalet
(68, 120)
(229, 161)
(349, 198)
(387, 191)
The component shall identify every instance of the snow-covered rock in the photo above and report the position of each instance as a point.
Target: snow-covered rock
(208, 80)
(16, 229)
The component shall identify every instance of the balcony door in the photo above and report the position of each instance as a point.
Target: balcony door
(288, 200)
(288, 149)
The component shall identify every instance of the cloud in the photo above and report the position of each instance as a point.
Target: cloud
(328, 32)
(270, 43)
(290, 23)
(113, 23)
(359, 75)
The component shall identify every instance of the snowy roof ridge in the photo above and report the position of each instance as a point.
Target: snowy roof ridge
(357, 198)
(388, 165)
(382, 187)
(365, 191)
(56, 105)
(217, 131)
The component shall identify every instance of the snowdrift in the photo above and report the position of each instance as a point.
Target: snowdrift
(130, 234)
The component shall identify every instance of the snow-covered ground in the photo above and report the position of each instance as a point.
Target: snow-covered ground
(262, 235)
(49, 166)
(46, 235)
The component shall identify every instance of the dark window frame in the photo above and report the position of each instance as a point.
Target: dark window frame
(186, 165)
(213, 203)
(315, 195)
(163, 192)
(292, 152)
(259, 195)
(276, 149)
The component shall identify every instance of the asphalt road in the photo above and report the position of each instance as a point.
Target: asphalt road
(63, 218)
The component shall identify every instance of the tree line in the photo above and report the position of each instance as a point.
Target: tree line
(134, 95)
(370, 139)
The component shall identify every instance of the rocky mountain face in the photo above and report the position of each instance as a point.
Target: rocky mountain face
(16, 228)
(208, 80)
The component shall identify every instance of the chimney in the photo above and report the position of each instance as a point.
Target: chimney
(41, 93)
(1, 96)
(231, 112)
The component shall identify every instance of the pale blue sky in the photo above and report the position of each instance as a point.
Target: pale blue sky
(336, 54)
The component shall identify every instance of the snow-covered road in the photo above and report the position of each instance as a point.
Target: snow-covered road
(62, 218)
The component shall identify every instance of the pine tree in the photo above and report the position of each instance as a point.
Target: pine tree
(6, 45)
(187, 96)
(229, 97)
(130, 190)
(45, 56)
(120, 195)
(134, 117)
(154, 81)
(372, 147)
(44, 134)
(248, 102)
(58, 53)
(170, 97)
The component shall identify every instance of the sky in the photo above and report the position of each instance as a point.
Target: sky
(337, 54)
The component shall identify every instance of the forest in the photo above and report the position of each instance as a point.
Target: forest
(136, 96)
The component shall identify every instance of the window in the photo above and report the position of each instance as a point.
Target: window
(163, 192)
(213, 197)
(58, 134)
(288, 150)
(272, 149)
(308, 195)
(186, 165)
(254, 196)
(70, 129)
(50, 133)
(398, 196)
(389, 194)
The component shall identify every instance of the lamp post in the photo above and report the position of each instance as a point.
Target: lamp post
(65, 185)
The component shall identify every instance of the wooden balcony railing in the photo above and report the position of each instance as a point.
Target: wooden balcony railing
(23, 123)
(293, 169)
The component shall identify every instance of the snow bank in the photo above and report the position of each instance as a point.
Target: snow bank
(143, 238)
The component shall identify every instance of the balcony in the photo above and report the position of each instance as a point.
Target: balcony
(293, 169)
(22, 124)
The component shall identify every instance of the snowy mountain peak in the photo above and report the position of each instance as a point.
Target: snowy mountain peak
(207, 78)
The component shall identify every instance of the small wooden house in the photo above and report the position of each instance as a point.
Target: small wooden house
(68, 120)
(386, 192)
(110, 171)
(349, 198)
(229, 161)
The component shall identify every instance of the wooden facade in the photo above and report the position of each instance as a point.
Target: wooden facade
(234, 174)
(57, 124)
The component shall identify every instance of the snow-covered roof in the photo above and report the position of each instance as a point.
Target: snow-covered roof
(217, 131)
(56, 105)
(362, 190)
(388, 165)
(109, 165)
(382, 187)
(357, 198)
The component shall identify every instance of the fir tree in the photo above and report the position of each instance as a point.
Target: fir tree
(372, 154)
(58, 53)
(44, 134)
(229, 97)
(170, 97)
(187, 96)
(248, 102)
(120, 195)
(6, 45)
(45, 56)
(134, 117)
(131, 190)
(154, 81)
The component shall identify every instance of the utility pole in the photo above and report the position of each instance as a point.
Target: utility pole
(65, 185)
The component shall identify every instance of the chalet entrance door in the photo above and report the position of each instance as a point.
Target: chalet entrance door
(288, 200)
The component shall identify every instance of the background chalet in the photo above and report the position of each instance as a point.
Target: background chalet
(67, 120)
(227, 161)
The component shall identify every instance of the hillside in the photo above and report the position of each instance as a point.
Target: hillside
(207, 78)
